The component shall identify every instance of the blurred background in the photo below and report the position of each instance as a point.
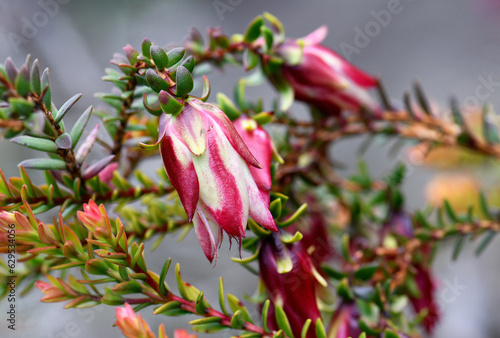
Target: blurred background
(451, 46)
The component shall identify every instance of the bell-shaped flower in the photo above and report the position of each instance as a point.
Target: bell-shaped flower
(261, 146)
(290, 280)
(206, 161)
(322, 78)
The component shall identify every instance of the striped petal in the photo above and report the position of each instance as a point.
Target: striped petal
(192, 128)
(218, 117)
(223, 187)
(180, 170)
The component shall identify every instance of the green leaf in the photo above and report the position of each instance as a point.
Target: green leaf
(265, 313)
(276, 26)
(184, 82)
(250, 59)
(44, 164)
(186, 290)
(305, 328)
(292, 219)
(22, 83)
(320, 329)
(485, 241)
(155, 81)
(21, 106)
(390, 334)
(210, 328)
(45, 82)
(237, 321)
(366, 272)
(275, 207)
(36, 143)
(66, 107)
(169, 104)
(422, 99)
(282, 321)
(175, 55)
(253, 30)
(189, 63)
(35, 78)
(458, 247)
(172, 309)
(163, 274)
(146, 48)
(80, 125)
(64, 141)
(228, 107)
(160, 58)
(222, 303)
(235, 304)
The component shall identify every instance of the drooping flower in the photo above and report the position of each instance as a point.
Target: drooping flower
(322, 78)
(260, 145)
(206, 161)
(344, 323)
(131, 324)
(290, 280)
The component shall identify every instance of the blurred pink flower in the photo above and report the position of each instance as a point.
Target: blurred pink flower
(131, 324)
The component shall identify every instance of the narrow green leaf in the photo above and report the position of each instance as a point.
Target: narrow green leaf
(41, 144)
(222, 302)
(44, 164)
(163, 274)
(320, 329)
(265, 313)
(35, 78)
(80, 125)
(458, 247)
(488, 237)
(305, 328)
(282, 321)
(66, 107)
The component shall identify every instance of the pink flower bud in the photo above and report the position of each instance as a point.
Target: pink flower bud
(261, 145)
(323, 78)
(295, 289)
(131, 324)
(91, 216)
(52, 292)
(206, 162)
(181, 333)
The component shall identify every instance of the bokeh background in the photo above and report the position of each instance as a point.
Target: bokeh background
(450, 46)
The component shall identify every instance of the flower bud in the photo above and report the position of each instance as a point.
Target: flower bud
(322, 78)
(91, 216)
(131, 324)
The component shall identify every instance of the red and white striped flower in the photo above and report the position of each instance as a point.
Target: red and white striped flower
(206, 161)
